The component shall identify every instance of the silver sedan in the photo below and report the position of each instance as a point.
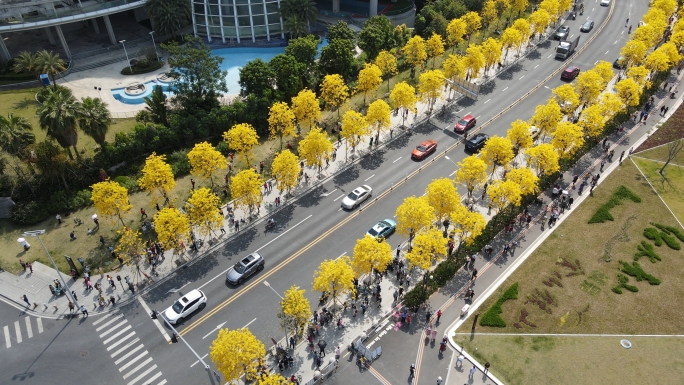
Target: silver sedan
(356, 197)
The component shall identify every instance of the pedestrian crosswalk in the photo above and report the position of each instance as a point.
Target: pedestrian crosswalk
(129, 354)
(15, 335)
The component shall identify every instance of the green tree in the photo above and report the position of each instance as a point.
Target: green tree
(341, 30)
(16, 134)
(169, 17)
(287, 75)
(304, 50)
(304, 10)
(25, 63)
(338, 58)
(295, 26)
(376, 35)
(57, 115)
(256, 78)
(156, 106)
(94, 119)
(199, 78)
(49, 63)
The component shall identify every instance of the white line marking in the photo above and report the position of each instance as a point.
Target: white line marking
(103, 319)
(114, 319)
(452, 173)
(327, 194)
(343, 254)
(468, 112)
(39, 321)
(174, 290)
(501, 91)
(113, 328)
(549, 56)
(547, 87)
(17, 329)
(128, 345)
(143, 374)
(274, 239)
(29, 331)
(129, 335)
(156, 321)
(521, 77)
(249, 323)
(402, 157)
(606, 52)
(8, 342)
(219, 326)
(616, 41)
(367, 179)
(141, 346)
(162, 383)
(159, 374)
(477, 117)
(338, 198)
(112, 338)
(487, 101)
(134, 360)
(536, 66)
(197, 362)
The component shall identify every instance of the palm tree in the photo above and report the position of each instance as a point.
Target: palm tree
(304, 9)
(169, 16)
(94, 119)
(25, 63)
(57, 115)
(156, 106)
(16, 134)
(295, 26)
(50, 63)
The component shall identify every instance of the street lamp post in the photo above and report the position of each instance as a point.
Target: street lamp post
(281, 298)
(37, 233)
(178, 336)
(155, 45)
(126, 52)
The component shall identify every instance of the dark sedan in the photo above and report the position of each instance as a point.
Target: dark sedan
(476, 143)
(587, 26)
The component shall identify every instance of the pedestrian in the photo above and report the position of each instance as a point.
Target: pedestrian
(412, 370)
(474, 274)
(25, 298)
(30, 266)
(488, 250)
(22, 263)
(112, 300)
(603, 163)
(192, 181)
(73, 294)
(439, 315)
(72, 236)
(71, 307)
(666, 109)
(59, 219)
(237, 226)
(605, 140)
(428, 315)
(610, 156)
(472, 372)
(337, 353)
(662, 109)
(439, 379)
(665, 85)
(84, 311)
(261, 167)
(486, 367)
(473, 257)
(143, 214)
(626, 22)
(459, 360)
(622, 155)
(97, 222)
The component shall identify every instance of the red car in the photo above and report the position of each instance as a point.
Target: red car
(570, 73)
(465, 124)
(426, 148)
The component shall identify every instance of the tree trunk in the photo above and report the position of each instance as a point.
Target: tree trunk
(78, 156)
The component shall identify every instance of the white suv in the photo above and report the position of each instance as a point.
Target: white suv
(194, 300)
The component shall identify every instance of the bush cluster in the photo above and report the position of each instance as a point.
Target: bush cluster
(492, 317)
(143, 66)
(603, 213)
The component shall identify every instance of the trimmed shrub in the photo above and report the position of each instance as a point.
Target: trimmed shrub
(416, 297)
(142, 67)
(129, 183)
(603, 213)
(178, 160)
(29, 213)
(492, 317)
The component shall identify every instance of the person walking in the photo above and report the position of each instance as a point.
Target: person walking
(439, 315)
(59, 219)
(25, 298)
(71, 307)
(428, 315)
(459, 360)
(84, 311)
(622, 155)
(472, 372)
(439, 380)
(486, 369)
(112, 300)
(474, 274)
(192, 181)
(412, 370)
(30, 266)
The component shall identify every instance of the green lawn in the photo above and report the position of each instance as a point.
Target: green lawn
(669, 185)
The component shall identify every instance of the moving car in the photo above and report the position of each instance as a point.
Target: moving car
(570, 73)
(356, 197)
(188, 304)
(562, 33)
(476, 143)
(249, 265)
(465, 124)
(619, 63)
(383, 229)
(587, 26)
(424, 149)
(605, 3)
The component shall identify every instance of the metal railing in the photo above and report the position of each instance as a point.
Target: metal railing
(55, 13)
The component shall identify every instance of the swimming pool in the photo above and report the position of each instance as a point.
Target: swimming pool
(233, 60)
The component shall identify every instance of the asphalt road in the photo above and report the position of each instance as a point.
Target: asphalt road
(314, 229)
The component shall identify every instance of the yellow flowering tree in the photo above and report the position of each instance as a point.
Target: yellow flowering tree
(295, 311)
(434, 47)
(203, 211)
(242, 138)
(172, 228)
(236, 353)
(157, 178)
(306, 108)
(412, 215)
(467, 224)
(281, 122)
(315, 148)
(388, 65)
(110, 199)
(415, 52)
(245, 188)
(403, 96)
(430, 87)
(370, 78)
(334, 92)
(443, 197)
(428, 247)
(503, 193)
(525, 178)
(336, 277)
(498, 151)
(130, 243)
(567, 138)
(205, 160)
(378, 116)
(285, 169)
(354, 126)
(370, 254)
(543, 158)
(472, 173)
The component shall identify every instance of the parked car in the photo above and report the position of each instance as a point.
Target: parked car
(356, 197)
(605, 3)
(570, 73)
(383, 229)
(465, 124)
(476, 143)
(424, 149)
(249, 265)
(188, 304)
(562, 33)
(587, 26)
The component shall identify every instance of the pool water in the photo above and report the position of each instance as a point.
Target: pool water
(233, 60)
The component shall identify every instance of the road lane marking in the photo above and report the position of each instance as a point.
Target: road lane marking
(257, 250)
(125, 347)
(549, 56)
(536, 66)
(39, 322)
(8, 342)
(134, 360)
(17, 329)
(113, 328)
(501, 91)
(143, 374)
(249, 323)
(174, 290)
(402, 157)
(338, 198)
(197, 362)
(521, 77)
(29, 331)
(112, 320)
(487, 101)
(327, 194)
(156, 321)
(367, 179)
(117, 362)
(106, 317)
(117, 343)
(547, 87)
(219, 326)
(132, 372)
(112, 338)
(452, 173)
(342, 255)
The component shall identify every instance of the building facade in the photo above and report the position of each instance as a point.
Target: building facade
(237, 19)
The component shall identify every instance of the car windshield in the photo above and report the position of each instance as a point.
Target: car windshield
(462, 122)
(353, 196)
(420, 148)
(240, 268)
(373, 232)
(177, 307)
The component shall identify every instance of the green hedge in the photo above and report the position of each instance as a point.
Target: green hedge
(142, 67)
(603, 213)
(492, 317)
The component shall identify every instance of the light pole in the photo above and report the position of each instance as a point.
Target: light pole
(178, 336)
(449, 159)
(281, 299)
(155, 45)
(37, 233)
(126, 52)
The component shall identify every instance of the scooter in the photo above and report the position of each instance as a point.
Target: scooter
(270, 225)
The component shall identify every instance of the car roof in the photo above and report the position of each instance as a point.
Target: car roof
(427, 142)
(564, 27)
(190, 296)
(250, 258)
(479, 137)
(572, 68)
(468, 117)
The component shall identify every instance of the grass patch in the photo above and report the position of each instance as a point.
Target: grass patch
(574, 256)
(603, 213)
(522, 360)
(670, 185)
(492, 316)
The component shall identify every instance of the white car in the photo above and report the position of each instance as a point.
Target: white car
(605, 3)
(194, 300)
(356, 197)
